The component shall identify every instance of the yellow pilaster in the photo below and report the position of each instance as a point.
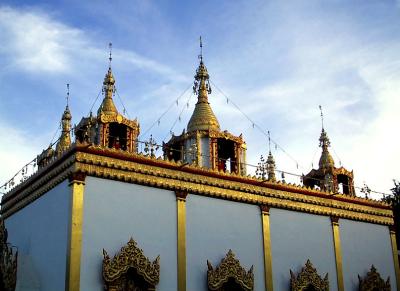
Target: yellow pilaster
(395, 257)
(181, 216)
(267, 249)
(338, 252)
(72, 280)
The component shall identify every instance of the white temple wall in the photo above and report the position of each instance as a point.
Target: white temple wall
(113, 213)
(40, 232)
(213, 226)
(296, 237)
(363, 245)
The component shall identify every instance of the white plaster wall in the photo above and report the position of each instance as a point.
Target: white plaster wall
(114, 212)
(205, 152)
(363, 245)
(296, 237)
(213, 227)
(40, 232)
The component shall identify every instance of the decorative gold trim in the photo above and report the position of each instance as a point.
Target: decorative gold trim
(308, 277)
(229, 268)
(395, 257)
(134, 168)
(77, 185)
(268, 277)
(338, 252)
(373, 281)
(181, 246)
(130, 256)
(8, 261)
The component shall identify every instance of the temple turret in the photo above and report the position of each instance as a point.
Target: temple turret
(109, 128)
(271, 168)
(327, 177)
(204, 144)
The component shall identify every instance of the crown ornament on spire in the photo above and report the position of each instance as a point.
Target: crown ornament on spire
(201, 85)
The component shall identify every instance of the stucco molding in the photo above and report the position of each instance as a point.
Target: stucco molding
(373, 281)
(307, 277)
(229, 268)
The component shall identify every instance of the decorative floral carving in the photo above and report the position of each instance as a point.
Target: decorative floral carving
(229, 268)
(373, 281)
(308, 277)
(115, 270)
(8, 262)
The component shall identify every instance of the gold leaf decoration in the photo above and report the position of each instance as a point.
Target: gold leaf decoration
(373, 281)
(115, 270)
(229, 269)
(8, 262)
(308, 277)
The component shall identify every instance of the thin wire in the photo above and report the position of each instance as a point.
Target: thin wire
(185, 105)
(91, 108)
(166, 111)
(122, 103)
(254, 124)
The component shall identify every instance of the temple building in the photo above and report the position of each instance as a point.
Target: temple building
(98, 214)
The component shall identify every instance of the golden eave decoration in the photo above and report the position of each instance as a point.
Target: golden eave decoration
(8, 262)
(229, 268)
(373, 281)
(130, 256)
(308, 277)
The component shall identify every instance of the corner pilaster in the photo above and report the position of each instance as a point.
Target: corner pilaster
(338, 252)
(267, 248)
(181, 223)
(395, 256)
(73, 268)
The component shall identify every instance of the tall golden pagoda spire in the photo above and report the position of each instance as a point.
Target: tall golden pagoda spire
(203, 118)
(107, 107)
(65, 139)
(326, 161)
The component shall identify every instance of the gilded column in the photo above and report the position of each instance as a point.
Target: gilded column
(73, 268)
(338, 252)
(267, 248)
(181, 216)
(395, 256)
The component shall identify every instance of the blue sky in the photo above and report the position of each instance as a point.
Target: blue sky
(277, 60)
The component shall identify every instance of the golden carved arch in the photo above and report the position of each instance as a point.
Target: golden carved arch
(373, 282)
(229, 271)
(8, 262)
(130, 270)
(308, 279)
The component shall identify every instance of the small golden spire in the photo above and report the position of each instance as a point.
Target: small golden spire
(64, 141)
(203, 117)
(270, 163)
(326, 161)
(108, 106)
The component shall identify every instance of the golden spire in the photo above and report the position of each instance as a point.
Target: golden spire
(107, 106)
(65, 139)
(326, 161)
(270, 163)
(203, 117)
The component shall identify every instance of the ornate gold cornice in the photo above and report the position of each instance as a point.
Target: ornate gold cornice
(135, 168)
(308, 277)
(130, 256)
(373, 281)
(229, 268)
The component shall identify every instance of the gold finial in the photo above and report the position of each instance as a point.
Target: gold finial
(269, 141)
(67, 95)
(110, 57)
(201, 50)
(322, 116)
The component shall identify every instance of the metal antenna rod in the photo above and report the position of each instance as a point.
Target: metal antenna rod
(67, 95)
(110, 58)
